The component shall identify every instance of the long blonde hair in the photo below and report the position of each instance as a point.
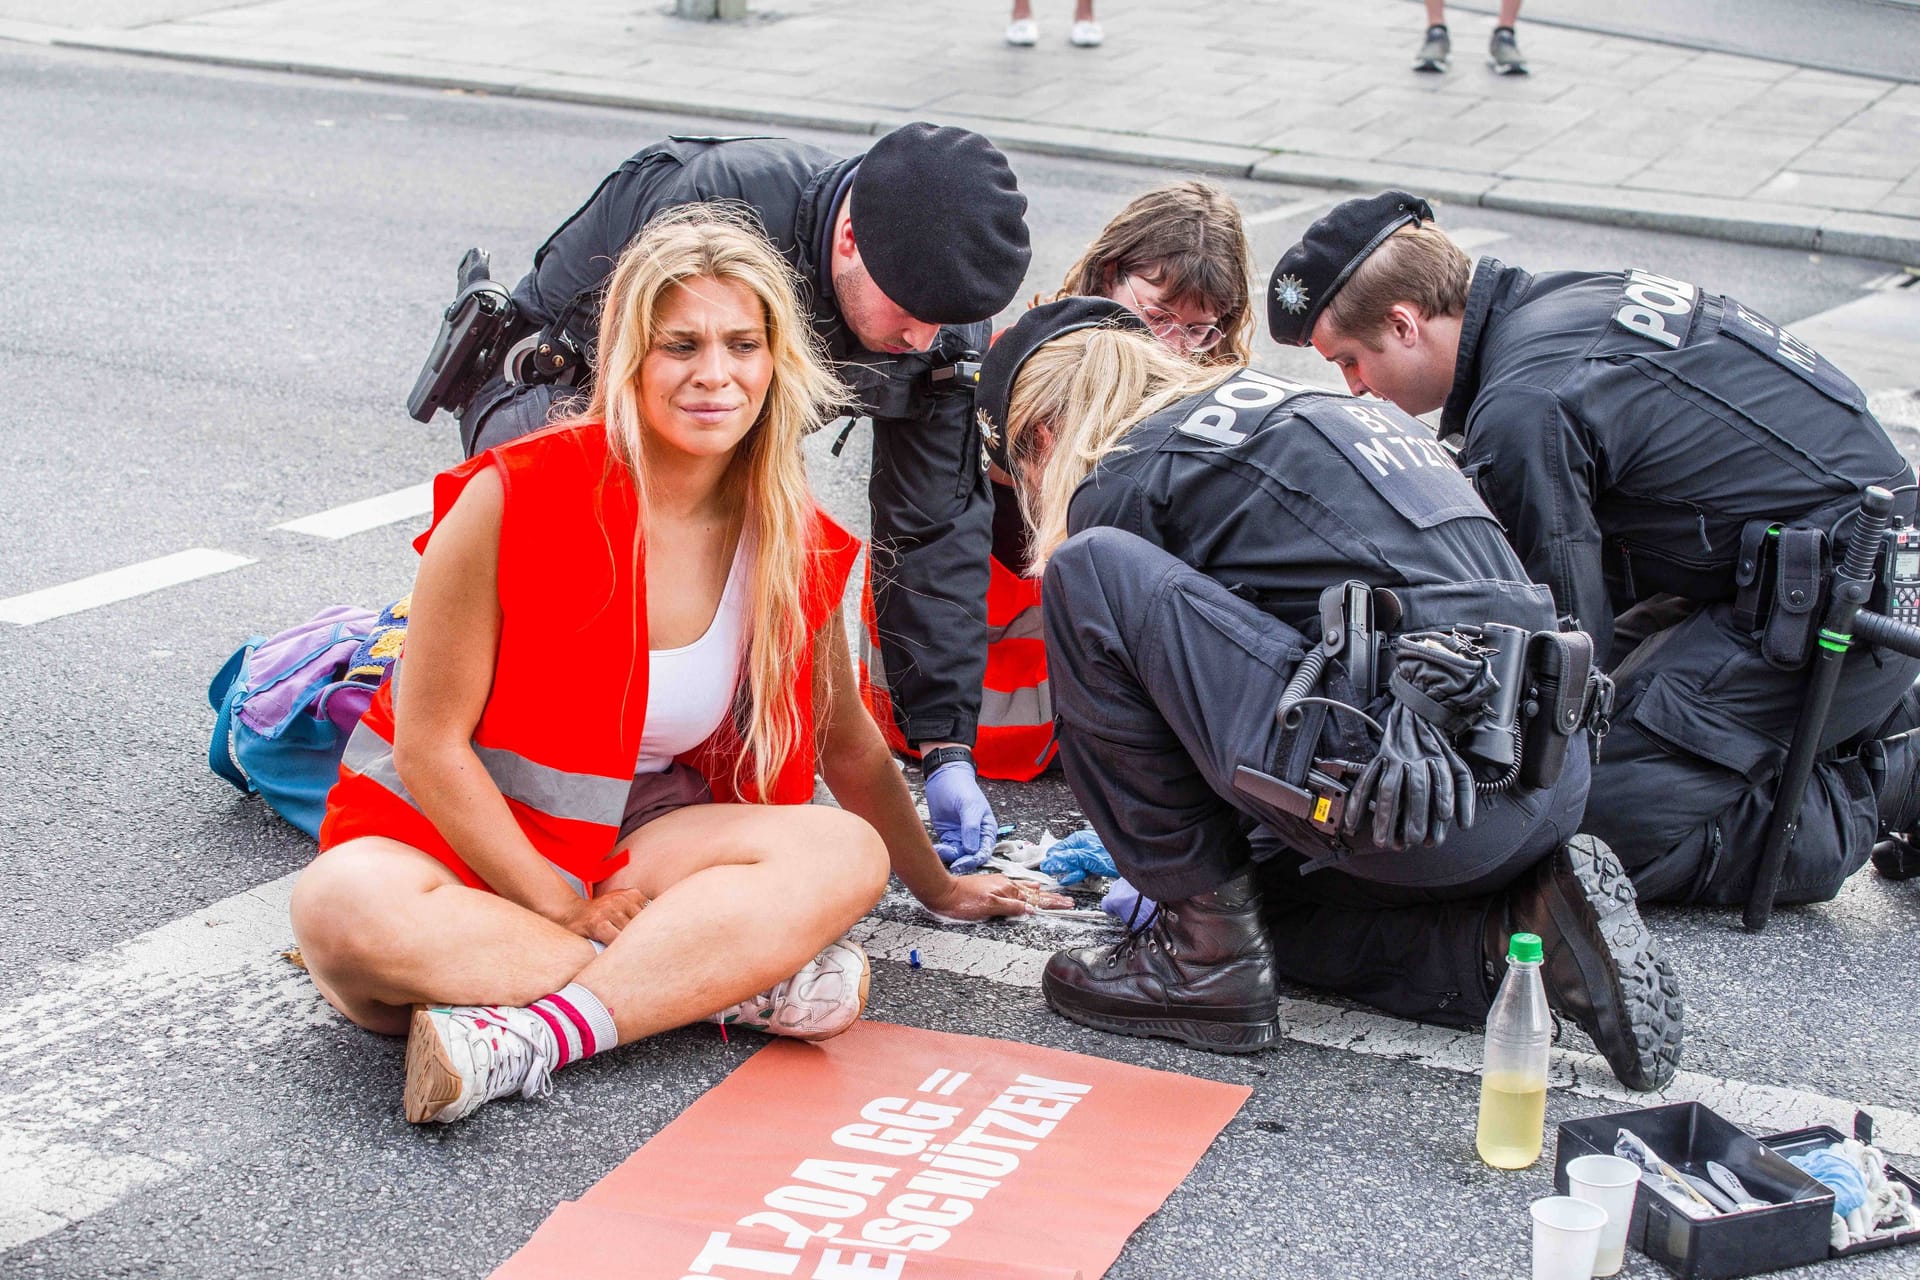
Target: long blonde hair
(1187, 238)
(767, 479)
(1074, 400)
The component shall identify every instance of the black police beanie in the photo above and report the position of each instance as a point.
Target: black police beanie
(1312, 271)
(940, 223)
(1011, 349)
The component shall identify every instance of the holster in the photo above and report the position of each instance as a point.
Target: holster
(468, 343)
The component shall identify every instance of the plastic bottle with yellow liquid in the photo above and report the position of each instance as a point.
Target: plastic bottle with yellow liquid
(1513, 1080)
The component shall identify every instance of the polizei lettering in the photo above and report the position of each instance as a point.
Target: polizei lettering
(1657, 307)
(1248, 391)
(855, 1217)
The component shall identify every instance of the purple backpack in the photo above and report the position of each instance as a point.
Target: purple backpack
(285, 706)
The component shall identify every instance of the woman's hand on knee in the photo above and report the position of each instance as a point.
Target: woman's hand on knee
(602, 917)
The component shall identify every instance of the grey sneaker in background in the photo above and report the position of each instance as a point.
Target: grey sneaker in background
(1503, 53)
(1434, 54)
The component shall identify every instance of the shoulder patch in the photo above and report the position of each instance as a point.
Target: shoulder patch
(1399, 456)
(1657, 307)
(1769, 339)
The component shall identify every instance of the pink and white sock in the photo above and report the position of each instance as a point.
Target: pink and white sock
(581, 1025)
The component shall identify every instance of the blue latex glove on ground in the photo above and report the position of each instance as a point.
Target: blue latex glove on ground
(1128, 905)
(1078, 856)
(963, 821)
(1838, 1173)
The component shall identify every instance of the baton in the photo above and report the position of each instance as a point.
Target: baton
(1853, 584)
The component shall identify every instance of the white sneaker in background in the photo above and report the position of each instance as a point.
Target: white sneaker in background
(817, 1003)
(1023, 34)
(461, 1056)
(1086, 35)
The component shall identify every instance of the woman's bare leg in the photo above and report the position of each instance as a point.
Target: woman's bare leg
(383, 926)
(742, 897)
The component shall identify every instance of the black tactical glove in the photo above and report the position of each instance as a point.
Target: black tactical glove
(1417, 786)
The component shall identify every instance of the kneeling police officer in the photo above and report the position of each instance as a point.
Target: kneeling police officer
(1682, 472)
(1308, 698)
(906, 253)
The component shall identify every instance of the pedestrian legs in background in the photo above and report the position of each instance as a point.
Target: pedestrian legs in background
(1503, 51)
(1023, 31)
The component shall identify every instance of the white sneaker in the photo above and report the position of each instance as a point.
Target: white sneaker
(1023, 34)
(817, 1003)
(1086, 35)
(463, 1055)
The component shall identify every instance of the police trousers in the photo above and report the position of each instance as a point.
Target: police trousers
(1163, 684)
(1684, 787)
(501, 411)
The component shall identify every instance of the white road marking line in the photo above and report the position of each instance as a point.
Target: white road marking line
(1763, 1108)
(1285, 211)
(1471, 238)
(82, 1062)
(117, 584)
(369, 513)
(78, 1059)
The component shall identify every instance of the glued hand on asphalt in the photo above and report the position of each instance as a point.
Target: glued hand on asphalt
(601, 918)
(985, 897)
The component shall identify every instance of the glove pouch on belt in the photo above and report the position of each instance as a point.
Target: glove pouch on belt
(1418, 786)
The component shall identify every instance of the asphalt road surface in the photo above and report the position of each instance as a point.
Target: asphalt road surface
(218, 287)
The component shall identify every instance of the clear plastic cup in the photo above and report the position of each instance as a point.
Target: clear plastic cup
(1566, 1238)
(1609, 1182)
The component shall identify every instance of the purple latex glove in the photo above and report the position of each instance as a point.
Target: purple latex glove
(963, 821)
(1127, 904)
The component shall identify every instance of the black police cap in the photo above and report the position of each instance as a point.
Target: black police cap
(940, 223)
(1010, 351)
(1312, 271)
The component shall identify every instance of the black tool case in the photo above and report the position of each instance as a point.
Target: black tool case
(1793, 1230)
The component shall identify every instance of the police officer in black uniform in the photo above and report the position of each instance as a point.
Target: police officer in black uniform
(1682, 472)
(1186, 580)
(907, 251)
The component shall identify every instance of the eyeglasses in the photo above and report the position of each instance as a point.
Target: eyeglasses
(1164, 324)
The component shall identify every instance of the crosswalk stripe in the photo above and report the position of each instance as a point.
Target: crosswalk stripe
(368, 513)
(117, 584)
(1762, 1108)
(82, 1048)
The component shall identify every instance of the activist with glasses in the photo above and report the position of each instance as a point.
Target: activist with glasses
(1201, 532)
(578, 813)
(1177, 256)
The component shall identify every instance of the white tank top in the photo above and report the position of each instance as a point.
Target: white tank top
(690, 689)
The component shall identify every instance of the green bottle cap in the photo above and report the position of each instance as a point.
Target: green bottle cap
(1525, 947)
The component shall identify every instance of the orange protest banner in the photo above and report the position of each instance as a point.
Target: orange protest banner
(891, 1153)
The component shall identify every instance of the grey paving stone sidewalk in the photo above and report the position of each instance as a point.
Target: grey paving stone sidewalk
(1320, 91)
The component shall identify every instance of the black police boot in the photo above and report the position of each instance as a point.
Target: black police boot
(1891, 765)
(1201, 971)
(1602, 968)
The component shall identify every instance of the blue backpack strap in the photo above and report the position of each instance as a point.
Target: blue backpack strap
(223, 694)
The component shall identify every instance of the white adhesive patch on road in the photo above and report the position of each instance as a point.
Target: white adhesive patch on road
(117, 584)
(78, 1059)
(369, 513)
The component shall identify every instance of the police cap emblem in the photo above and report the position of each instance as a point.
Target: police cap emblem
(1290, 293)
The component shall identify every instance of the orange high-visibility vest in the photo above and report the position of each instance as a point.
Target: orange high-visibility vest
(1015, 737)
(560, 732)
